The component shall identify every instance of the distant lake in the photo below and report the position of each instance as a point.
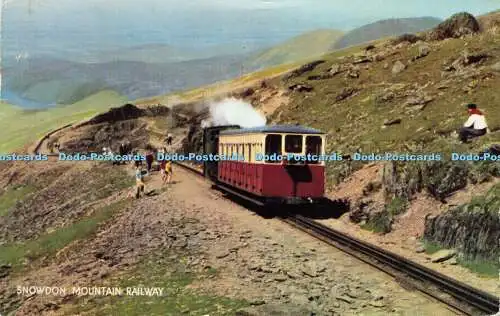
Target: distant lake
(14, 99)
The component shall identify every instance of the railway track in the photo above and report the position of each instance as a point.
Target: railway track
(457, 295)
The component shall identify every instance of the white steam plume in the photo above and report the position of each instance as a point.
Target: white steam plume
(232, 111)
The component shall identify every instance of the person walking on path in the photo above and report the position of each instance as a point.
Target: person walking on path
(139, 182)
(163, 171)
(149, 160)
(168, 171)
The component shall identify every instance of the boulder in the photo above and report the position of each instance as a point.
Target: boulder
(443, 255)
(398, 67)
(345, 93)
(335, 69)
(392, 122)
(300, 88)
(423, 50)
(456, 26)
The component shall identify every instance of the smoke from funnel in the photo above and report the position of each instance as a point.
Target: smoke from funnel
(232, 111)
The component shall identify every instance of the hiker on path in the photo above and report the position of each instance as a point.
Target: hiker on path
(169, 139)
(139, 182)
(163, 172)
(168, 171)
(50, 145)
(475, 126)
(138, 162)
(150, 157)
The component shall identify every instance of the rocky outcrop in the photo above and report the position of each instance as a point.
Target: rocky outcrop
(193, 143)
(122, 113)
(300, 88)
(94, 137)
(456, 26)
(438, 178)
(473, 229)
(303, 69)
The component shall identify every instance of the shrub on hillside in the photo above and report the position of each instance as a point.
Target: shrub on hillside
(411, 38)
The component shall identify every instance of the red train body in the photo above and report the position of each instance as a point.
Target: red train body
(246, 163)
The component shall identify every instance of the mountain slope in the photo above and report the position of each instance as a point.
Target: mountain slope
(307, 45)
(427, 99)
(153, 53)
(385, 28)
(64, 82)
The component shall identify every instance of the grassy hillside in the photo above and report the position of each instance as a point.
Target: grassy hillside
(24, 127)
(307, 45)
(384, 28)
(353, 110)
(219, 88)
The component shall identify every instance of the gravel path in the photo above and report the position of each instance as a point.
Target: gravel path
(265, 261)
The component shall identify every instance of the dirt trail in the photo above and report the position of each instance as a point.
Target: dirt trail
(262, 260)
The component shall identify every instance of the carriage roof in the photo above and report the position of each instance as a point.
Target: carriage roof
(292, 129)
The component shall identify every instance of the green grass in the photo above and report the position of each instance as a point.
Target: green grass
(169, 273)
(220, 87)
(431, 247)
(380, 222)
(48, 244)
(363, 114)
(9, 198)
(23, 127)
(482, 267)
(305, 46)
(397, 206)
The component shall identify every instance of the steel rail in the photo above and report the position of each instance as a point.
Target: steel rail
(465, 296)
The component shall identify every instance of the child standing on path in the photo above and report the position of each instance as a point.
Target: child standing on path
(163, 167)
(139, 181)
(168, 171)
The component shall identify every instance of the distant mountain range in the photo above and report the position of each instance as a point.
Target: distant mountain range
(66, 82)
(149, 70)
(385, 28)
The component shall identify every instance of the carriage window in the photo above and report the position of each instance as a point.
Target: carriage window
(250, 152)
(293, 144)
(273, 146)
(313, 146)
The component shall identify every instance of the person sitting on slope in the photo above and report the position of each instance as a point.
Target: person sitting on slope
(475, 126)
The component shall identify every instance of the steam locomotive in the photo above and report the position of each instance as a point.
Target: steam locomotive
(272, 168)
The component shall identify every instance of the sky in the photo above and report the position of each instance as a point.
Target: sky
(362, 8)
(42, 25)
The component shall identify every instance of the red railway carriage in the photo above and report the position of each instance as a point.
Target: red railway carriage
(275, 163)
